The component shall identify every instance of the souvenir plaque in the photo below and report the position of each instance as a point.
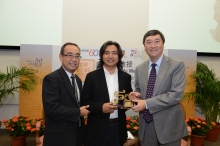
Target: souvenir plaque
(122, 100)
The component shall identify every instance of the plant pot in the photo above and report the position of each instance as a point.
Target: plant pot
(197, 140)
(18, 141)
(213, 133)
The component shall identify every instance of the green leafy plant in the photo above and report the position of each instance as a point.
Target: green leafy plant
(18, 126)
(15, 79)
(132, 124)
(207, 94)
(199, 126)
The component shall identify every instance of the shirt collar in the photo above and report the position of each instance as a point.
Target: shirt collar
(68, 73)
(106, 71)
(158, 61)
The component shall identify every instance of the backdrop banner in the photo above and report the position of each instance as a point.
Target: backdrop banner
(38, 57)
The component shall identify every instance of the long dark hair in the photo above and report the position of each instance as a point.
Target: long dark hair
(102, 51)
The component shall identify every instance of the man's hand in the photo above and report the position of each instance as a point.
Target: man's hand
(108, 107)
(140, 105)
(135, 95)
(84, 111)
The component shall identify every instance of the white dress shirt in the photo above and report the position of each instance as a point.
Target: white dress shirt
(112, 84)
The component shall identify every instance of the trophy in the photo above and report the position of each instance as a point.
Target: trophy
(122, 100)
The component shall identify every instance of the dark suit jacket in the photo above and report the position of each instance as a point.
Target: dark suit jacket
(61, 109)
(95, 94)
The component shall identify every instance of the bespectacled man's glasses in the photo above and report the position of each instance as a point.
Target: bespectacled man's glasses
(70, 56)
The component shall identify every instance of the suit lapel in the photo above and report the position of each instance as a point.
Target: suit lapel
(161, 73)
(145, 74)
(103, 84)
(79, 83)
(66, 83)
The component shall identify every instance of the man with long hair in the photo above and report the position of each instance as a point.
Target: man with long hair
(106, 123)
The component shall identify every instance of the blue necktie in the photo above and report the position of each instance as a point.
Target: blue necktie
(150, 89)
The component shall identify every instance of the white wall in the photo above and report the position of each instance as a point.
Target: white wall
(190, 25)
(30, 22)
(187, 24)
(212, 63)
(91, 23)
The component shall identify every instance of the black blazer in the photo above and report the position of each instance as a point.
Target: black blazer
(95, 94)
(61, 109)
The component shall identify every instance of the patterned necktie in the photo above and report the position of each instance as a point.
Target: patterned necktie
(75, 87)
(150, 89)
(76, 94)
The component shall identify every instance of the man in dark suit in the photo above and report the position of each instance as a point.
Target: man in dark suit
(106, 124)
(161, 120)
(61, 101)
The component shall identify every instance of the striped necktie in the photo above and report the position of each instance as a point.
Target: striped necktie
(75, 87)
(76, 94)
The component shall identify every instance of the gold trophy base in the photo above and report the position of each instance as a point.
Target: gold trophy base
(128, 104)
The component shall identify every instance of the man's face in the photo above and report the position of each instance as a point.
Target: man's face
(154, 47)
(70, 58)
(110, 56)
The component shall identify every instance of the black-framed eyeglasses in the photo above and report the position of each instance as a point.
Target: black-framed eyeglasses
(70, 56)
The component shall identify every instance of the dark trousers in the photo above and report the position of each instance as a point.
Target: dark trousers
(111, 137)
(79, 136)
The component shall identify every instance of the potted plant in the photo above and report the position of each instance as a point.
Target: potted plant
(132, 124)
(207, 94)
(199, 130)
(18, 128)
(15, 79)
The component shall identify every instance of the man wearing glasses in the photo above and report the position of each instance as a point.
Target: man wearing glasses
(61, 101)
